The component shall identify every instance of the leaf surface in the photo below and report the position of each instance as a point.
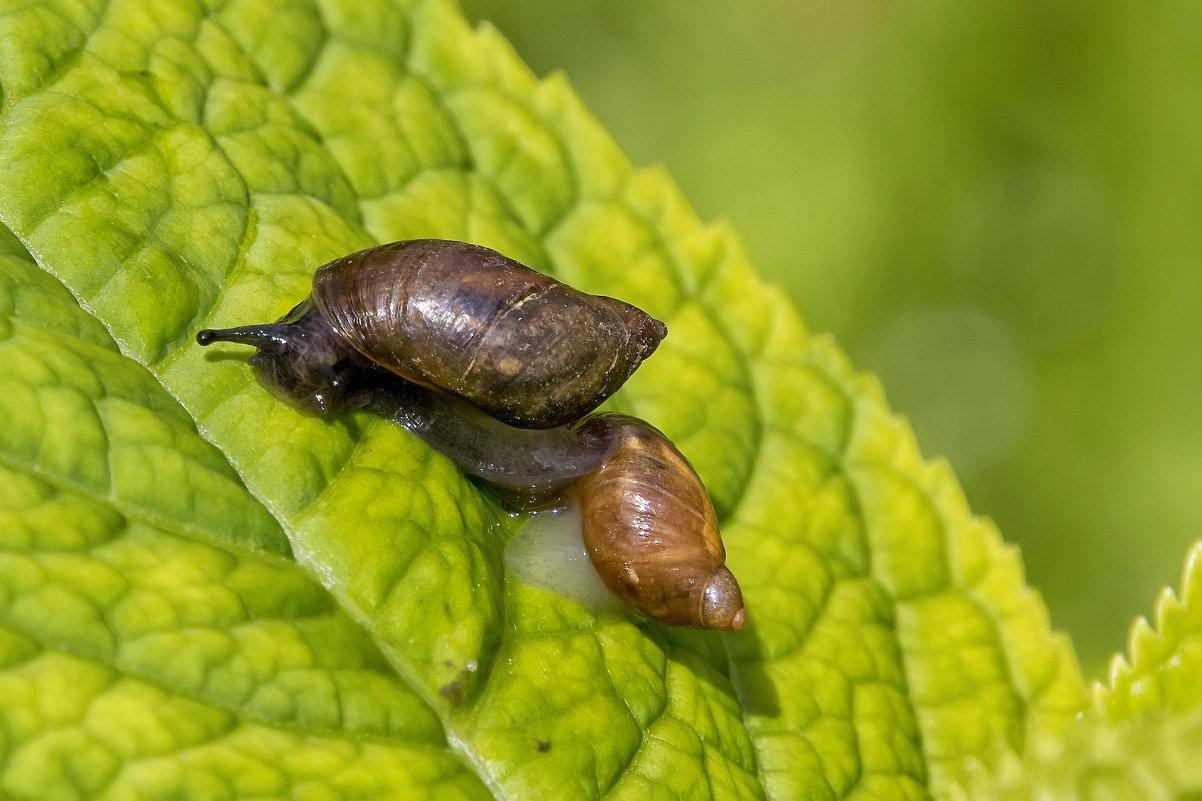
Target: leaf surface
(1141, 739)
(1162, 669)
(153, 641)
(180, 164)
(1150, 758)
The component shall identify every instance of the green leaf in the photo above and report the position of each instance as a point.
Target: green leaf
(145, 649)
(78, 412)
(179, 164)
(1151, 758)
(1141, 739)
(1162, 670)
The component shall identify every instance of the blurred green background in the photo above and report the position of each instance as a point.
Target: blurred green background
(993, 206)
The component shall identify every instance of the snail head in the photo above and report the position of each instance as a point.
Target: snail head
(300, 359)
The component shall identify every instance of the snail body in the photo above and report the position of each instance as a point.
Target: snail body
(528, 468)
(526, 349)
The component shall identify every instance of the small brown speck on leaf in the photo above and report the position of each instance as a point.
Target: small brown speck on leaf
(453, 692)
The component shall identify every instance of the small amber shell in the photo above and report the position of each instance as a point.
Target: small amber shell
(650, 529)
(527, 349)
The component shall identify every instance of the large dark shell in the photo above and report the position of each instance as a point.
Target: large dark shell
(650, 529)
(529, 350)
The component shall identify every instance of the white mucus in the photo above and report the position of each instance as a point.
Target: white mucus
(548, 552)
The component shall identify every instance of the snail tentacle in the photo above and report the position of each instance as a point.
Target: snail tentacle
(259, 336)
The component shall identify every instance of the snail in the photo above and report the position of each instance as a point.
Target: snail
(528, 350)
(650, 528)
(647, 522)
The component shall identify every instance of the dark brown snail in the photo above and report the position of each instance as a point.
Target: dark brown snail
(527, 349)
(489, 362)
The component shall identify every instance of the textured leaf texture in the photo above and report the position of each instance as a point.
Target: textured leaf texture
(1162, 671)
(1142, 738)
(289, 608)
(1150, 758)
(144, 653)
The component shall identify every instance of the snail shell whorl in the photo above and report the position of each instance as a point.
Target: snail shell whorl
(529, 350)
(650, 529)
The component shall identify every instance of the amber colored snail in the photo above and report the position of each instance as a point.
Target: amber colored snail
(428, 332)
(527, 349)
(650, 529)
